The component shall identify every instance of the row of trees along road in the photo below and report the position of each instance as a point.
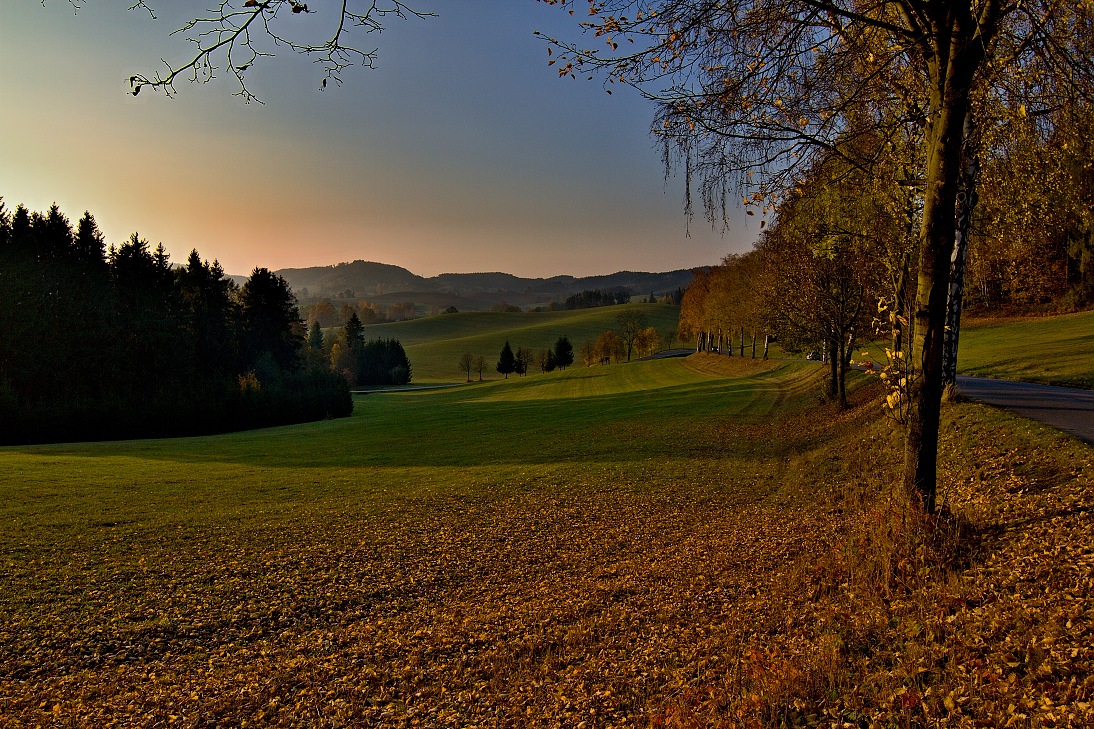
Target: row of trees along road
(752, 95)
(769, 98)
(98, 343)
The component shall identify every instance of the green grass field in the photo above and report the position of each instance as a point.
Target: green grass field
(213, 576)
(688, 542)
(1056, 350)
(434, 344)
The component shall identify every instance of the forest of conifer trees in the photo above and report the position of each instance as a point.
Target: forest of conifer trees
(100, 343)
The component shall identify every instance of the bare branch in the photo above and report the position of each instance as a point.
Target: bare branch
(237, 33)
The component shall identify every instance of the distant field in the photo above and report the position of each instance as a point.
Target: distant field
(1056, 350)
(1053, 350)
(434, 344)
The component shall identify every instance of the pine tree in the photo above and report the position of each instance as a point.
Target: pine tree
(315, 336)
(354, 333)
(89, 245)
(507, 362)
(271, 319)
(564, 353)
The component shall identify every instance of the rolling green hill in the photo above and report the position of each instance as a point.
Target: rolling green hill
(434, 344)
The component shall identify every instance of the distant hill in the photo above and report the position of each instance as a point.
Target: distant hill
(362, 278)
(384, 283)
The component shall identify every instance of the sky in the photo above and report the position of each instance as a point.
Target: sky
(462, 152)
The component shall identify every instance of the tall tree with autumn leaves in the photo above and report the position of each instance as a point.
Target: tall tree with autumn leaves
(751, 92)
(823, 274)
(1033, 240)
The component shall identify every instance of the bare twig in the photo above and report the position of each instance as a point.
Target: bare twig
(237, 33)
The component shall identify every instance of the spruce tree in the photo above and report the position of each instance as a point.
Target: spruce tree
(507, 362)
(564, 353)
(89, 245)
(354, 332)
(270, 320)
(315, 336)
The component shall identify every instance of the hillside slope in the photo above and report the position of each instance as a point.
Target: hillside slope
(692, 543)
(434, 344)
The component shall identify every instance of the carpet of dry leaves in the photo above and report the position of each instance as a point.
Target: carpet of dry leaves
(707, 599)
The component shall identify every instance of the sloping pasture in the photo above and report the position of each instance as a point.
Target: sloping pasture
(434, 344)
(469, 554)
(685, 542)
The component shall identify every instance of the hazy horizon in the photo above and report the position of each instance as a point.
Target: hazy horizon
(469, 273)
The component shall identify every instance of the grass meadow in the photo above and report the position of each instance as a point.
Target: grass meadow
(684, 542)
(1052, 350)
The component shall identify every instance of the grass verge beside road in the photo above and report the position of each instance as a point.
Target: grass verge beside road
(1052, 350)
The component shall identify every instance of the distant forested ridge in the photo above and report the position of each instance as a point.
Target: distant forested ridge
(118, 343)
(384, 285)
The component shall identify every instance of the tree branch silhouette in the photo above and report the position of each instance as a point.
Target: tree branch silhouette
(236, 34)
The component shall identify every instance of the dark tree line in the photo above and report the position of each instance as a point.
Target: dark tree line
(98, 343)
(559, 357)
(596, 297)
(375, 362)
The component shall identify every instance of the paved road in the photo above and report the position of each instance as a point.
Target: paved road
(1068, 409)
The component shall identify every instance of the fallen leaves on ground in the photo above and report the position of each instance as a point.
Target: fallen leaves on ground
(571, 604)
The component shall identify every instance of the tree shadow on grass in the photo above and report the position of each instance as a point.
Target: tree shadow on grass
(450, 429)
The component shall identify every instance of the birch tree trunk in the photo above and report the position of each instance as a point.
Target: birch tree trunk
(966, 204)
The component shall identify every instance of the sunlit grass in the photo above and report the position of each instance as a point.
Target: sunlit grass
(125, 560)
(1055, 350)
